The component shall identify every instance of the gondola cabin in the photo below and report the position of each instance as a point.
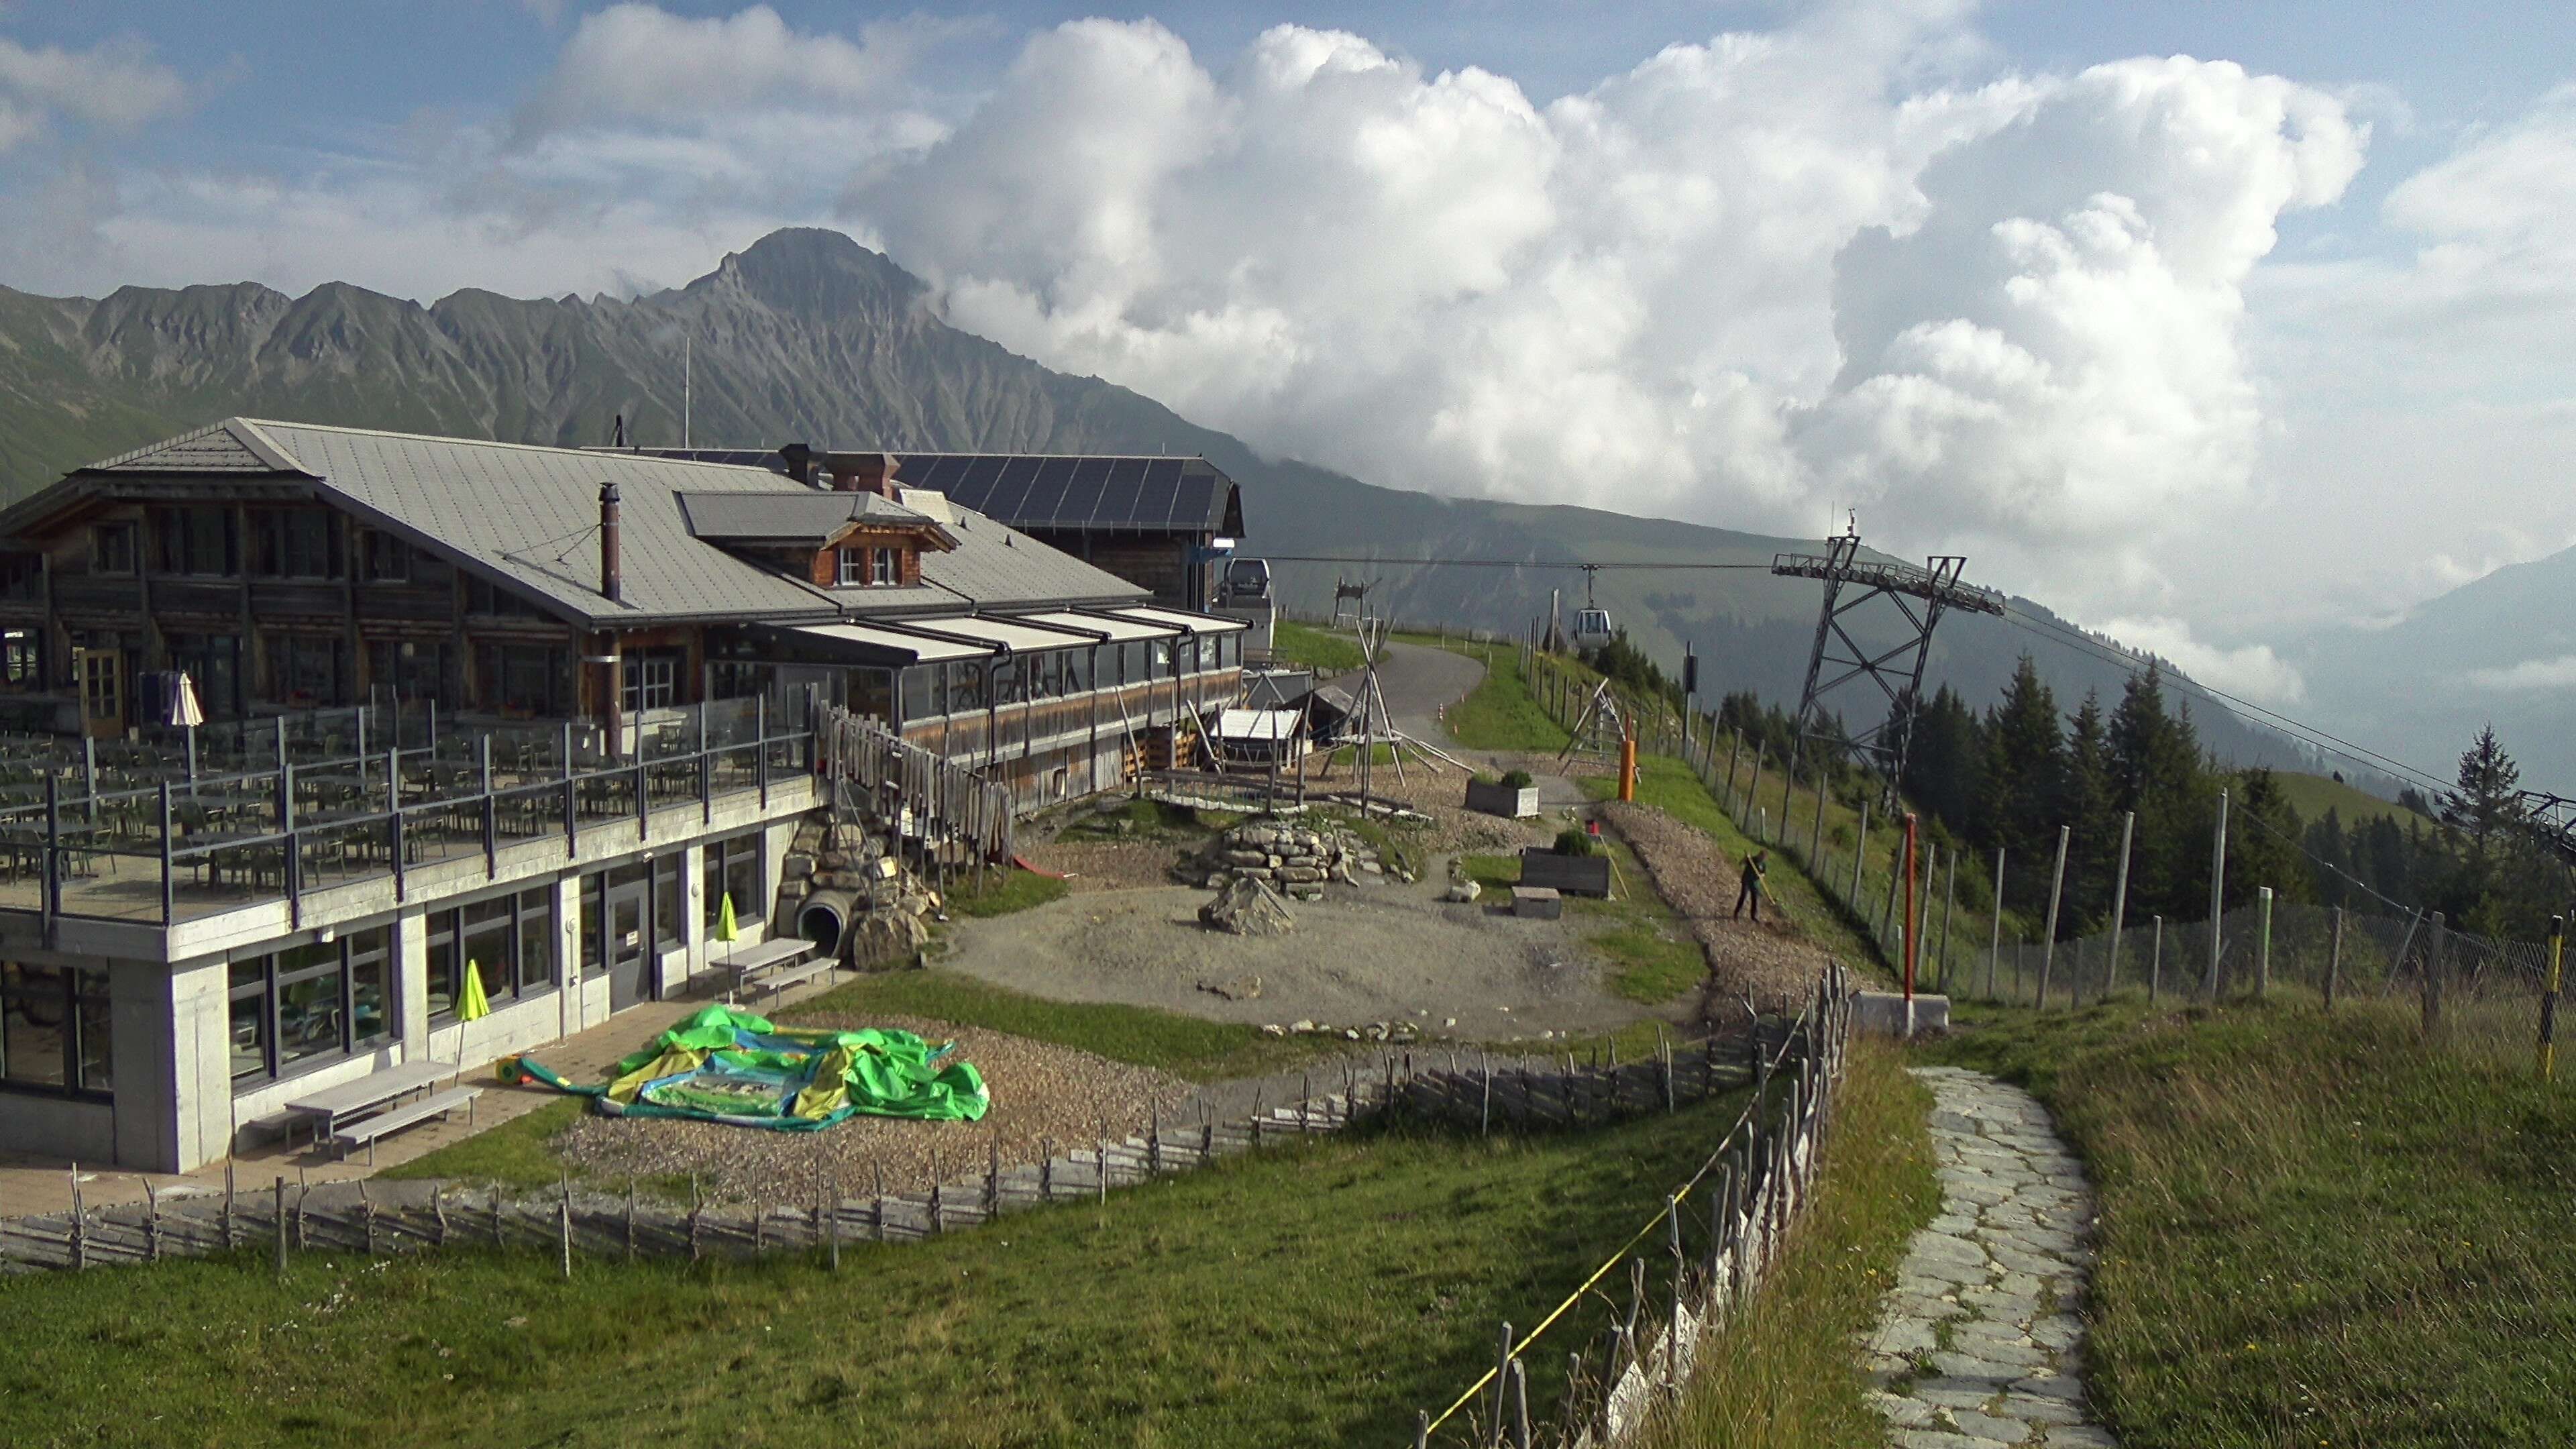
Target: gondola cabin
(1591, 628)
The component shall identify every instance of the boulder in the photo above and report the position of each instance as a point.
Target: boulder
(1464, 891)
(1248, 908)
(887, 937)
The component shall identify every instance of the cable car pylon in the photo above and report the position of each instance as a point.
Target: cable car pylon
(1919, 596)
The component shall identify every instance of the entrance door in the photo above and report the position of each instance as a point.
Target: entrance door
(102, 690)
(630, 937)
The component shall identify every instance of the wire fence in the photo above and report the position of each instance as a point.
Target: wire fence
(2480, 997)
(1690, 1267)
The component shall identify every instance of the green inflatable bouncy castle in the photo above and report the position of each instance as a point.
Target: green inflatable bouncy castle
(725, 1065)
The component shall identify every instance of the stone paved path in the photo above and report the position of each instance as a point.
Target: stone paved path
(1980, 1343)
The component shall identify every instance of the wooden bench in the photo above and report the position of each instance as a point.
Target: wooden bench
(367, 1129)
(367, 1096)
(773, 966)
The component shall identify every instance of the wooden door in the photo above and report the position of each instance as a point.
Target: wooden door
(102, 690)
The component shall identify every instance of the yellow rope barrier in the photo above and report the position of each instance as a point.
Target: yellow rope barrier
(1779, 1059)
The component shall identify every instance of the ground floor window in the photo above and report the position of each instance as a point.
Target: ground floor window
(54, 1026)
(526, 680)
(306, 668)
(732, 870)
(509, 939)
(311, 1003)
(408, 668)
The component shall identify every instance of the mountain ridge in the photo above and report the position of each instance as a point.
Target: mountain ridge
(805, 335)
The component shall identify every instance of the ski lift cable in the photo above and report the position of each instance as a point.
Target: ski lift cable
(2297, 729)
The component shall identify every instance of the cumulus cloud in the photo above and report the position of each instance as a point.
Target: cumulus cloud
(1742, 279)
(636, 62)
(2253, 671)
(2498, 225)
(116, 84)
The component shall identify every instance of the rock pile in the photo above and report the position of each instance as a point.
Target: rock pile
(1397, 1033)
(1293, 859)
(1247, 907)
(888, 904)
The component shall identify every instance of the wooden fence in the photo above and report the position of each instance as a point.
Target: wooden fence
(581, 1221)
(1753, 1185)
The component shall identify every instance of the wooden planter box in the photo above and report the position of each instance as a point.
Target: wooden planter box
(1574, 875)
(1495, 799)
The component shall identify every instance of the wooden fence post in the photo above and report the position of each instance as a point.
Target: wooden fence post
(1995, 945)
(2056, 891)
(2434, 961)
(279, 1219)
(2262, 942)
(2156, 962)
(2334, 959)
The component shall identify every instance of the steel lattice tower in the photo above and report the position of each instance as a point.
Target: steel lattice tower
(1920, 596)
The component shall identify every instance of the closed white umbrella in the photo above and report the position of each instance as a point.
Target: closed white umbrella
(187, 713)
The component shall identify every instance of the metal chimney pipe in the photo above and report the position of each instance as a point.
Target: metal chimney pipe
(610, 583)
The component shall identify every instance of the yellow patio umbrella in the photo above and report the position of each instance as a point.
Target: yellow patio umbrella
(475, 1005)
(725, 928)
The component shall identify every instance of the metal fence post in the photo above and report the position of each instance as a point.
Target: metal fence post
(2434, 961)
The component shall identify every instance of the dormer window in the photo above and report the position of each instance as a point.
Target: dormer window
(870, 567)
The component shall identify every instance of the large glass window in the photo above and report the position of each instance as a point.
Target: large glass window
(196, 539)
(925, 692)
(250, 1017)
(111, 548)
(509, 938)
(306, 668)
(524, 679)
(214, 662)
(670, 903)
(311, 1003)
(298, 543)
(408, 668)
(54, 1028)
(388, 559)
(965, 685)
(1158, 659)
(732, 870)
(1077, 669)
(1010, 679)
(872, 693)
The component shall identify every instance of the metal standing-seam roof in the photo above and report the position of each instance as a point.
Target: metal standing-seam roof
(788, 515)
(528, 517)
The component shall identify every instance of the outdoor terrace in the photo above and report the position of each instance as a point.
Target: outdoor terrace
(277, 810)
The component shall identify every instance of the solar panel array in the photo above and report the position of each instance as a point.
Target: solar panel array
(1049, 490)
(1056, 492)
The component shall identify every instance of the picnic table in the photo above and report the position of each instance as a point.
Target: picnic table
(367, 1095)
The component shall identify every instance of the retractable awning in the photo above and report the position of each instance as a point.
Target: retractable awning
(1179, 619)
(1120, 630)
(870, 645)
(1012, 634)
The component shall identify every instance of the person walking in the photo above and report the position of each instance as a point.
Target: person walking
(1749, 892)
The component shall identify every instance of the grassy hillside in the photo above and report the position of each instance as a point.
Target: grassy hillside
(1311, 1296)
(2313, 795)
(2314, 1229)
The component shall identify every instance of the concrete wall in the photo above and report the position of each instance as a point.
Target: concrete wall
(175, 1108)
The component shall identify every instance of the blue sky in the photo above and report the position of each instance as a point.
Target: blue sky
(2173, 344)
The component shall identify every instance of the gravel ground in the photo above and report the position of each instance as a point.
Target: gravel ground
(1373, 953)
(1698, 881)
(1107, 865)
(1038, 1090)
